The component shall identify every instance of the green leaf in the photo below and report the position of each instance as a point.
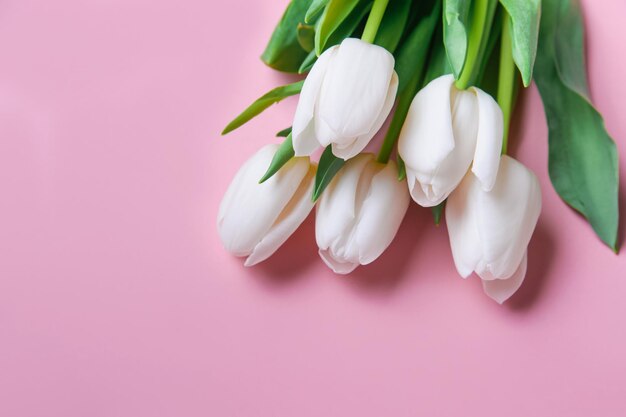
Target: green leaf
(306, 37)
(401, 169)
(283, 154)
(334, 14)
(283, 52)
(314, 10)
(438, 212)
(393, 24)
(308, 63)
(263, 103)
(410, 66)
(438, 63)
(351, 26)
(329, 165)
(525, 18)
(455, 33)
(583, 162)
(412, 55)
(284, 133)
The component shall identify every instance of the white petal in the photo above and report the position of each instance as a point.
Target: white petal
(453, 168)
(381, 214)
(355, 88)
(252, 208)
(461, 219)
(339, 211)
(358, 144)
(438, 139)
(289, 220)
(338, 266)
(489, 139)
(427, 138)
(303, 131)
(502, 289)
(507, 216)
(336, 210)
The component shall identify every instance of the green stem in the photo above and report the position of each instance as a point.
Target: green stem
(506, 78)
(482, 18)
(373, 21)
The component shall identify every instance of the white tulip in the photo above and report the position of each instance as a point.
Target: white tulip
(446, 128)
(345, 99)
(255, 219)
(489, 231)
(359, 213)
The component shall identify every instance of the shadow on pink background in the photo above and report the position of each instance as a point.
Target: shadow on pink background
(116, 298)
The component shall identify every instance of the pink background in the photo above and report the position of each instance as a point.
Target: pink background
(116, 298)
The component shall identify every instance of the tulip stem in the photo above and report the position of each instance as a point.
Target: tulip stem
(480, 26)
(506, 78)
(373, 21)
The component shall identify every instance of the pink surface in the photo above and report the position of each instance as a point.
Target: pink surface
(116, 298)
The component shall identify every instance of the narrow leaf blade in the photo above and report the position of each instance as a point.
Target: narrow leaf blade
(393, 24)
(256, 108)
(283, 154)
(525, 18)
(314, 10)
(455, 33)
(334, 14)
(284, 133)
(329, 165)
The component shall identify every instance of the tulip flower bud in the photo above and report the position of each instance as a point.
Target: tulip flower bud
(489, 231)
(445, 130)
(345, 99)
(255, 219)
(359, 213)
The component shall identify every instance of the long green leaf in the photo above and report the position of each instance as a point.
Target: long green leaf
(329, 165)
(351, 26)
(412, 56)
(283, 154)
(314, 10)
(525, 18)
(308, 63)
(334, 14)
(263, 103)
(393, 24)
(583, 162)
(410, 66)
(283, 52)
(455, 33)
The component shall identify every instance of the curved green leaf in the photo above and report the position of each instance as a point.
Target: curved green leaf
(256, 108)
(583, 162)
(314, 10)
(283, 52)
(283, 154)
(334, 14)
(329, 165)
(393, 24)
(525, 18)
(308, 63)
(455, 33)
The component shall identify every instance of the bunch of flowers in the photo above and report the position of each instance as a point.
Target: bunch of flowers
(452, 69)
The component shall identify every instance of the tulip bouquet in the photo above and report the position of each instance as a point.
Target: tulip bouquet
(451, 71)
